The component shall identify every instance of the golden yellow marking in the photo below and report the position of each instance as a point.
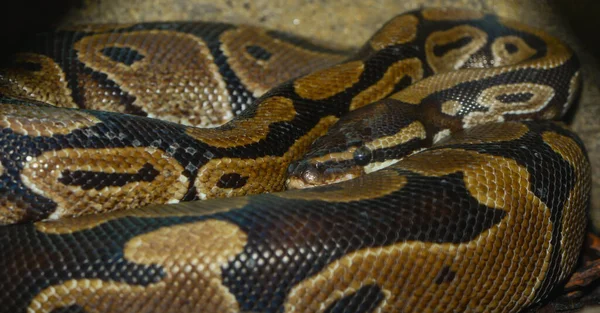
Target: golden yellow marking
(487, 133)
(286, 61)
(11, 212)
(410, 67)
(185, 84)
(542, 94)
(265, 174)
(399, 30)
(41, 174)
(48, 84)
(450, 14)
(456, 58)
(414, 130)
(245, 131)
(192, 256)
(510, 258)
(329, 82)
(191, 208)
(557, 53)
(451, 107)
(503, 57)
(34, 120)
(573, 212)
(364, 187)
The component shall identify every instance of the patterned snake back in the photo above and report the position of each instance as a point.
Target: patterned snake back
(483, 210)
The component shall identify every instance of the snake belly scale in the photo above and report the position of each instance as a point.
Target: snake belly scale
(489, 218)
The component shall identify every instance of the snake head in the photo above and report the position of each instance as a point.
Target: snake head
(363, 141)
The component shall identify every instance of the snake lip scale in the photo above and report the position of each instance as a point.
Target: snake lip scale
(441, 178)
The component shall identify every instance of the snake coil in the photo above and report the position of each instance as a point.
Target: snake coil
(483, 211)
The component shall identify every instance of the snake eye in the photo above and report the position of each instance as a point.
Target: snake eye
(362, 156)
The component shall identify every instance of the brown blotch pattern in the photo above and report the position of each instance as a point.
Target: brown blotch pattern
(364, 187)
(503, 56)
(489, 133)
(451, 107)
(265, 174)
(455, 58)
(496, 254)
(41, 174)
(192, 256)
(489, 97)
(190, 208)
(175, 80)
(34, 120)
(410, 67)
(399, 30)
(573, 219)
(415, 129)
(556, 54)
(287, 60)
(245, 131)
(329, 82)
(450, 14)
(11, 212)
(48, 84)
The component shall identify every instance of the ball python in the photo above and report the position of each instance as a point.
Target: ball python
(485, 211)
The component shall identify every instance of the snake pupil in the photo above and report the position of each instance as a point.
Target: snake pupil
(362, 156)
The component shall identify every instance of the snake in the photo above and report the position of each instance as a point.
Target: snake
(144, 168)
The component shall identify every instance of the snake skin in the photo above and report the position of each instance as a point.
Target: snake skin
(490, 217)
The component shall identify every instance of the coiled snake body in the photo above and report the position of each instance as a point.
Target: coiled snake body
(490, 218)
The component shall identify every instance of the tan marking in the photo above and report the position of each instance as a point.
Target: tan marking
(502, 57)
(542, 94)
(37, 120)
(364, 187)
(410, 67)
(96, 97)
(265, 174)
(11, 212)
(413, 130)
(574, 87)
(192, 256)
(176, 80)
(415, 93)
(245, 131)
(191, 208)
(444, 133)
(496, 263)
(287, 60)
(399, 30)
(488, 133)
(335, 156)
(49, 84)
(329, 82)
(41, 174)
(557, 53)
(456, 58)
(451, 107)
(450, 14)
(573, 212)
